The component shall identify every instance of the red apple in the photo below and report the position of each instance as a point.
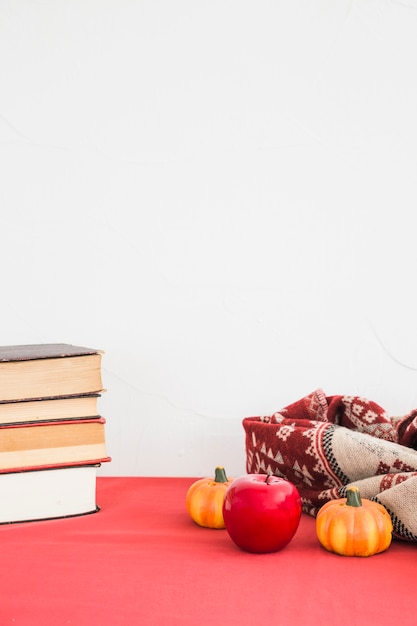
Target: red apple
(261, 513)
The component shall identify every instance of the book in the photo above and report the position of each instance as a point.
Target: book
(29, 372)
(49, 409)
(47, 444)
(48, 493)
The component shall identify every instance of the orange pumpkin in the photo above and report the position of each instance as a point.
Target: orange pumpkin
(353, 526)
(204, 499)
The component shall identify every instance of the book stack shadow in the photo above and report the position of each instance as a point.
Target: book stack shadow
(52, 437)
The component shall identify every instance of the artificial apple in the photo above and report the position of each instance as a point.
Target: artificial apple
(261, 512)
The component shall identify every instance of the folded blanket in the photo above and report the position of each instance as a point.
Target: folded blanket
(324, 444)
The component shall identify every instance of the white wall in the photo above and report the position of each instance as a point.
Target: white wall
(221, 195)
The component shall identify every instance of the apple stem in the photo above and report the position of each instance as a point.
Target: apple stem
(268, 477)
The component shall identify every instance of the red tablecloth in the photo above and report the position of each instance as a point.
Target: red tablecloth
(141, 561)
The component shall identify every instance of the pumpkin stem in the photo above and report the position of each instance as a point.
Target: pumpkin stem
(353, 497)
(220, 475)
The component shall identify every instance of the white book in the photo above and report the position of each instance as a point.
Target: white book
(47, 493)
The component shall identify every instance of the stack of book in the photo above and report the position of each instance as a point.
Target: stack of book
(52, 438)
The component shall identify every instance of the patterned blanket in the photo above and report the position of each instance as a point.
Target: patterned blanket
(323, 444)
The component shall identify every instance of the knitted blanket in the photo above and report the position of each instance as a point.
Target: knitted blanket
(323, 444)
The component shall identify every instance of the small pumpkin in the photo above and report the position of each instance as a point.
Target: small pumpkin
(204, 499)
(353, 526)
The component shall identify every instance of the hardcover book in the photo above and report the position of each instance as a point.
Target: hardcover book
(49, 409)
(58, 443)
(30, 372)
(48, 493)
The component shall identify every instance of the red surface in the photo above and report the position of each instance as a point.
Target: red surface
(141, 561)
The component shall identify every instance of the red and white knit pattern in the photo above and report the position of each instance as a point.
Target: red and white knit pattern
(323, 444)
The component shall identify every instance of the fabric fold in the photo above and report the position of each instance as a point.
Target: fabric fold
(323, 444)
